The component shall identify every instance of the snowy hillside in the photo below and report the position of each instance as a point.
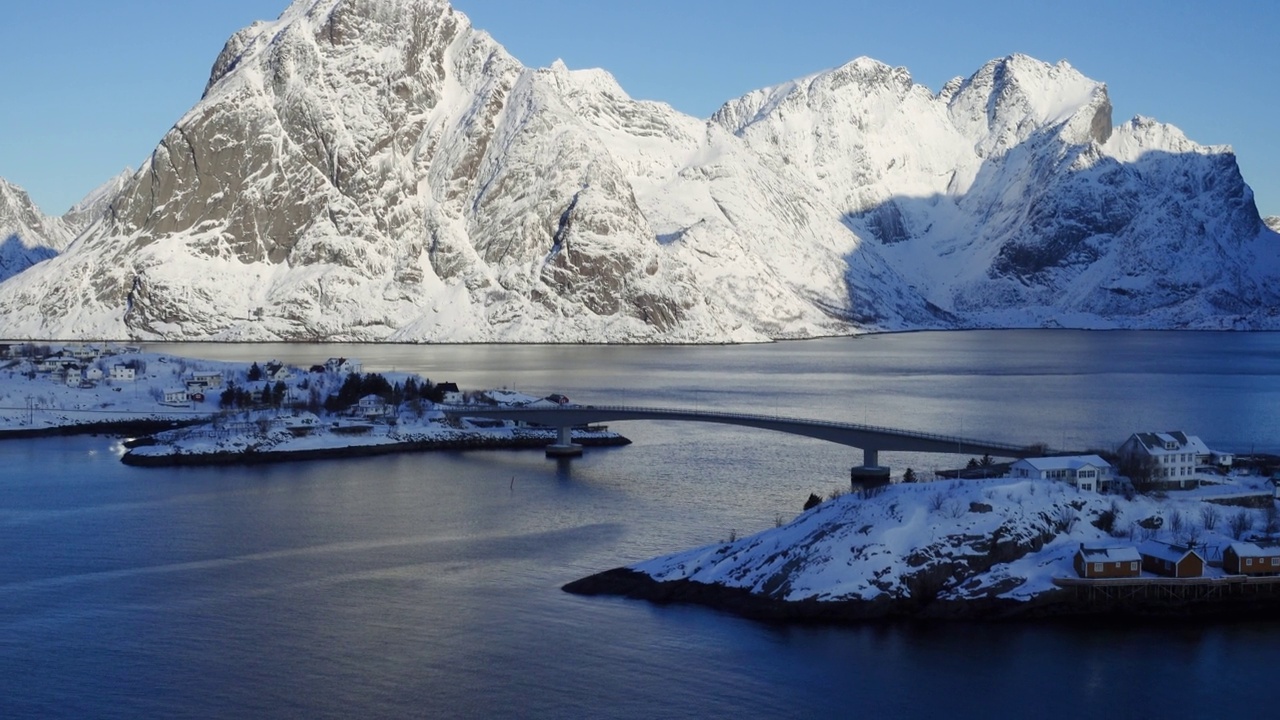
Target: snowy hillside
(383, 171)
(1273, 222)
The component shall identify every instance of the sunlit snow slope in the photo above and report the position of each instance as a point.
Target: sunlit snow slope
(380, 170)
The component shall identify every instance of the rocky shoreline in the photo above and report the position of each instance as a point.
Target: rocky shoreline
(252, 457)
(1058, 605)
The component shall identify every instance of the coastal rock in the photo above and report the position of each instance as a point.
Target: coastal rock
(913, 550)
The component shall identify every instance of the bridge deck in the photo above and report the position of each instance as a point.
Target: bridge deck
(867, 437)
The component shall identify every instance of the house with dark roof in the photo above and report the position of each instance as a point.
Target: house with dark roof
(1179, 459)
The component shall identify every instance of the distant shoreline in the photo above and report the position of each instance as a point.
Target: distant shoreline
(250, 457)
(123, 428)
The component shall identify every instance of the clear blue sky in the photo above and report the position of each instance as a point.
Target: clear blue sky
(90, 86)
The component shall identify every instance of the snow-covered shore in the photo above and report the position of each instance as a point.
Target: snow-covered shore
(194, 446)
(964, 548)
(206, 412)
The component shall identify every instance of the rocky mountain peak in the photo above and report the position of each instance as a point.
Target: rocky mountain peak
(375, 170)
(1011, 98)
(27, 235)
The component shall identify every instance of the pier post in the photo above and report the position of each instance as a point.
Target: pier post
(870, 474)
(564, 445)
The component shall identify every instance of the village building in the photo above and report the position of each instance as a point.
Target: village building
(1088, 473)
(176, 396)
(1178, 458)
(52, 363)
(343, 365)
(122, 372)
(85, 352)
(450, 393)
(1115, 562)
(93, 373)
(372, 406)
(1170, 560)
(1246, 558)
(210, 379)
(276, 371)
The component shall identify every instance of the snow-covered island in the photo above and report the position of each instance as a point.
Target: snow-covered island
(1015, 546)
(207, 412)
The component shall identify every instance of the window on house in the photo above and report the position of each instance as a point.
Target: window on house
(1133, 565)
(1248, 561)
(1097, 567)
(1275, 561)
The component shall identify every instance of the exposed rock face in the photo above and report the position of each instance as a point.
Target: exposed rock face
(27, 236)
(1273, 222)
(380, 170)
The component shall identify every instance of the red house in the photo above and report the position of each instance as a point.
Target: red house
(1170, 560)
(1242, 558)
(1116, 562)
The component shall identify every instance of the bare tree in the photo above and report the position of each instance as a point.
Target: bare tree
(1240, 523)
(1210, 515)
(1064, 520)
(1176, 523)
(1141, 469)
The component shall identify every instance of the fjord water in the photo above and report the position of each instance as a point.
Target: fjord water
(428, 585)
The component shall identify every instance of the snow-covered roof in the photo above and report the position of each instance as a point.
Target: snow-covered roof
(1248, 549)
(1156, 442)
(1112, 554)
(1165, 551)
(1066, 462)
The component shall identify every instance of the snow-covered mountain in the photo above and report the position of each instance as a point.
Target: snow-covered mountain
(1273, 222)
(363, 170)
(27, 235)
(95, 205)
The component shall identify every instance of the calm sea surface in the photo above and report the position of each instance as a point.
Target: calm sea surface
(428, 585)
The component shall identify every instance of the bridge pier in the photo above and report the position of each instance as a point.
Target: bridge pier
(564, 446)
(870, 474)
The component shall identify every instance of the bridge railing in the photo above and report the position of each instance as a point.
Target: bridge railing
(960, 441)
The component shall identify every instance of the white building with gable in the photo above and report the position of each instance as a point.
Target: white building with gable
(1088, 473)
(1178, 457)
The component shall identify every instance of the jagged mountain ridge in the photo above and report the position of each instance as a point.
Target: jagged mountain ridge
(361, 170)
(27, 236)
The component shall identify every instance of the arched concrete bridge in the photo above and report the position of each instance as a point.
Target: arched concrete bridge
(869, 438)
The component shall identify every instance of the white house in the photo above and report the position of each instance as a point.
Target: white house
(211, 379)
(93, 373)
(122, 372)
(276, 371)
(1178, 457)
(343, 365)
(371, 406)
(1088, 473)
(85, 352)
(176, 396)
(50, 364)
